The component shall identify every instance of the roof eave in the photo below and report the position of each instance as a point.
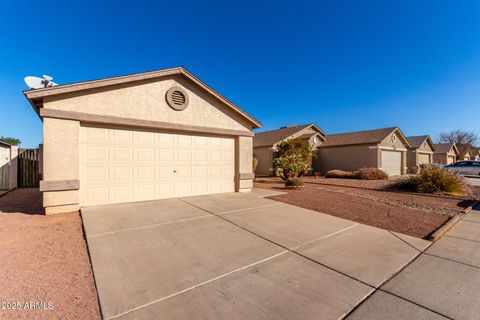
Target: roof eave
(85, 85)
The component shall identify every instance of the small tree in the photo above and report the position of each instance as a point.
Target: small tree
(10, 140)
(293, 158)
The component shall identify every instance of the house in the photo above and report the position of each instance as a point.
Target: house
(475, 154)
(144, 136)
(385, 149)
(445, 153)
(264, 144)
(420, 152)
(8, 166)
(465, 151)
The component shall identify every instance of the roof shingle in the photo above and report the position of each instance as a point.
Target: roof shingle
(268, 138)
(358, 137)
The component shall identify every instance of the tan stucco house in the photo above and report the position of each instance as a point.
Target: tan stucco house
(264, 144)
(385, 149)
(465, 151)
(420, 152)
(145, 136)
(445, 153)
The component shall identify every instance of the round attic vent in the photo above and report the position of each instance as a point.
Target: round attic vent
(177, 98)
(394, 138)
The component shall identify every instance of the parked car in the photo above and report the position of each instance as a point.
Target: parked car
(465, 168)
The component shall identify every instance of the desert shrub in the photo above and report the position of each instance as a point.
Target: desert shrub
(340, 174)
(434, 180)
(294, 183)
(409, 182)
(371, 174)
(254, 164)
(293, 158)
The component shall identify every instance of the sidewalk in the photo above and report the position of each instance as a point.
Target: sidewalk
(442, 283)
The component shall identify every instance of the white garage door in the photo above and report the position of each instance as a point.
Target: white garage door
(450, 159)
(392, 162)
(423, 158)
(119, 165)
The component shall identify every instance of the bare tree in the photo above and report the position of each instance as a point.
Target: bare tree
(459, 137)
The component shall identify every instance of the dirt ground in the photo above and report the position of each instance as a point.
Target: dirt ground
(43, 259)
(372, 202)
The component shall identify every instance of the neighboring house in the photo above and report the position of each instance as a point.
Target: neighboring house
(465, 151)
(385, 149)
(145, 136)
(445, 153)
(264, 144)
(420, 152)
(8, 166)
(475, 154)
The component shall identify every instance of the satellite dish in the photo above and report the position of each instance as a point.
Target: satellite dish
(37, 83)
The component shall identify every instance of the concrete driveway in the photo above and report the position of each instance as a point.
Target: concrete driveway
(238, 256)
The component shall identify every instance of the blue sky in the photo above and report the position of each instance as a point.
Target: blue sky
(345, 65)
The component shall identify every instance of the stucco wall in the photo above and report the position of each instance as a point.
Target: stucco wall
(265, 161)
(60, 162)
(398, 144)
(245, 156)
(347, 158)
(145, 100)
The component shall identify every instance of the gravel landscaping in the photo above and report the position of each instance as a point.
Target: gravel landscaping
(374, 203)
(44, 259)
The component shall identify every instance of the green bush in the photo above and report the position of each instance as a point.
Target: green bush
(294, 183)
(371, 174)
(293, 158)
(435, 180)
(340, 174)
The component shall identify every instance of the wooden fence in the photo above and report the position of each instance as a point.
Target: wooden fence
(28, 176)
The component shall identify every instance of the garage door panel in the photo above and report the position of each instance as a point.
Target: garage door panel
(145, 154)
(95, 173)
(95, 194)
(391, 162)
(121, 137)
(165, 172)
(121, 165)
(144, 138)
(145, 191)
(121, 174)
(165, 154)
(96, 153)
(145, 173)
(200, 172)
(94, 135)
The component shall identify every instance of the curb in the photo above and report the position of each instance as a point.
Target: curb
(470, 207)
(440, 232)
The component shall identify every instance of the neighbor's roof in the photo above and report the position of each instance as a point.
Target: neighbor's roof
(361, 137)
(417, 141)
(445, 147)
(35, 96)
(269, 138)
(7, 144)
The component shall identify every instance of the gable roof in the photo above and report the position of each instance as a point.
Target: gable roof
(417, 141)
(463, 148)
(361, 137)
(445, 147)
(35, 96)
(269, 138)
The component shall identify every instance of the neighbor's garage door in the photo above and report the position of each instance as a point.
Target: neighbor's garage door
(450, 159)
(119, 165)
(392, 162)
(423, 158)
